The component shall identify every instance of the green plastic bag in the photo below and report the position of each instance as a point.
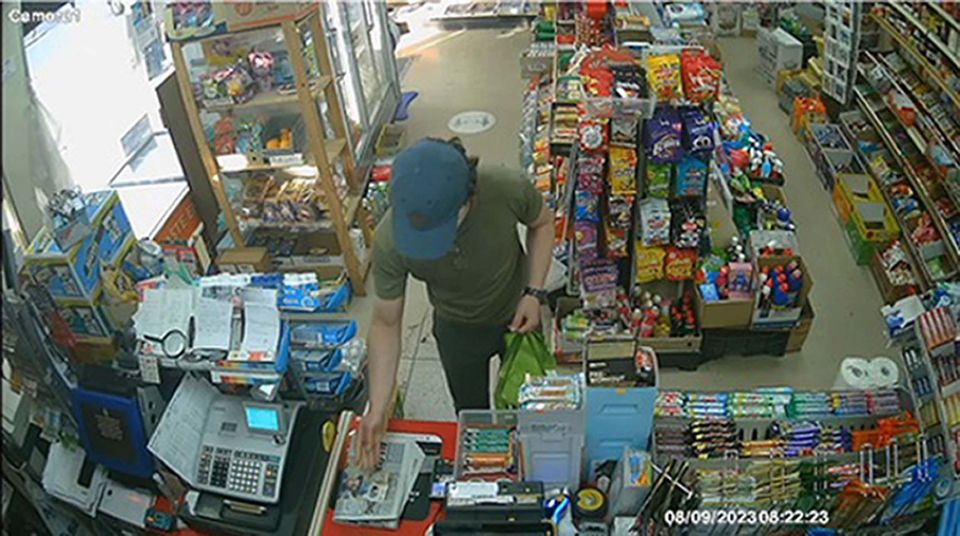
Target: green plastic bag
(526, 354)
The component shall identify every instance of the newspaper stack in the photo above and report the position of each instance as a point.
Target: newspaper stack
(378, 498)
(61, 478)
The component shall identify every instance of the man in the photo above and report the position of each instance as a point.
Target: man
(456, 230)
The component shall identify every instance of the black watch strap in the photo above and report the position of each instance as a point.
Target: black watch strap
(539, 293)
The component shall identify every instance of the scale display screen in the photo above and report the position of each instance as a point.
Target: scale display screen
(263, 419)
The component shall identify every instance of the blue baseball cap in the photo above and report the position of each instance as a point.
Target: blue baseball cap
(429, 184)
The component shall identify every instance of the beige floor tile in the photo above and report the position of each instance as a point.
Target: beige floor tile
(427, 396)
(404, 373)
(428, 343)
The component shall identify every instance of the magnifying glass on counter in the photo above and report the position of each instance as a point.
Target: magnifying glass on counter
(173, 344)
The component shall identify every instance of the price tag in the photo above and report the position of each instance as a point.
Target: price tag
(294, 159)
(149, 368)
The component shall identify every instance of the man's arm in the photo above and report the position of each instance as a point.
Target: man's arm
(539, 252)
(384, 351)
(383, 358)
(540, 235)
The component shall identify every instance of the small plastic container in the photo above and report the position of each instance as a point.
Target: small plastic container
(483, 419)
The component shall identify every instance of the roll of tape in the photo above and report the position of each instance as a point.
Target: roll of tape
(589, 504)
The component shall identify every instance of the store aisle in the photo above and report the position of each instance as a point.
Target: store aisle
(478, 70)
(845, 299)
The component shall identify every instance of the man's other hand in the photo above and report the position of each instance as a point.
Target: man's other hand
(527, 317)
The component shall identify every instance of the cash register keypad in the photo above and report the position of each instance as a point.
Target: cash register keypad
(239, 471)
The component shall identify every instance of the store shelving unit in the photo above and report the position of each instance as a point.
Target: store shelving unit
(919, 268)
(950, 245)
(906, 11)
(943, 437)
(488, 11)
(322, 152)
(923, 67)
(841, 44)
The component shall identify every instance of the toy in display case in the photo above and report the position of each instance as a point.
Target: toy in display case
(188, 19)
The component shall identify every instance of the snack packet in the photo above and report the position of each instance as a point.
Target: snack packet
(701, 75)
(664, 78)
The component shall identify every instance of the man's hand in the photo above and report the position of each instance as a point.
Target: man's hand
(372, 428)
(527, 317)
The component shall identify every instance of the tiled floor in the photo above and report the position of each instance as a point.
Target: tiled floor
(478, 70)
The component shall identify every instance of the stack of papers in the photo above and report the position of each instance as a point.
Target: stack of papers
(378, 498)
(206, 314)
(61, 478)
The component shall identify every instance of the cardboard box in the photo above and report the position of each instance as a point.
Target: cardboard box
(674, 345)
(888, 290)
(779, 318)
(85, 318)
(531, 66)
(244, 261)
(111, 228)
(723, 313)
(780, 239)
(73, 274)
(565, 349)
(799, 332)
(181, 238)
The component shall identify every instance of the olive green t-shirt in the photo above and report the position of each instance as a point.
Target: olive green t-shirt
(482, 278)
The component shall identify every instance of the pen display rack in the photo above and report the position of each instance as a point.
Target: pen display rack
(487, 446)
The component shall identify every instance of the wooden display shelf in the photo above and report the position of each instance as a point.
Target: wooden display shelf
(319, 153)
(333, 149)
(351, 204)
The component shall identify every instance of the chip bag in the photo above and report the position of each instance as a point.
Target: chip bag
(649, 263)
(662, 136)
(701, 75)
(679, 265)
(664, 78)
(623, 170)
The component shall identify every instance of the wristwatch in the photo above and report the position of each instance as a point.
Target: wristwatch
(539, 293)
